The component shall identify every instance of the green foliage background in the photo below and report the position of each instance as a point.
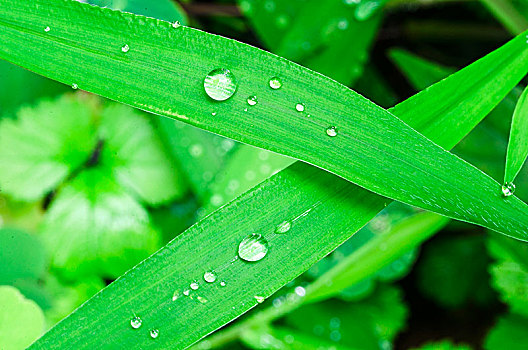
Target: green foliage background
(90, 187)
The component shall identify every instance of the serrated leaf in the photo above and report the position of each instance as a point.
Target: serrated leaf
(511, 280)
(134, 154)
(43, 146)
(21, 320)
(509, 333)
(94, 227)
(382, 316)
(518, 143)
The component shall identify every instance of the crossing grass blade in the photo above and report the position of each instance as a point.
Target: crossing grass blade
(518, 144)
(327, 209)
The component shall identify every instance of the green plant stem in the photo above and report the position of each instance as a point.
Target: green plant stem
(507, 14)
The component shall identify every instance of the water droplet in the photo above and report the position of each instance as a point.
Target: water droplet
(245, 109)
(202, 300)
(125, 48)
(213, 114)
(154, 333)
(299, 107)
(342, 24)
(136, 322)
(194, 286)
(259, 299)
(186, 292)
(300, 291)
(223, 283)
(176, 24)
(331, 131)
(252, 100)
(75, 86)
(283, 227)
(275, 83)
(253, 248)
(209, 276)
(47, 29)
(508, 189)
(220, 84)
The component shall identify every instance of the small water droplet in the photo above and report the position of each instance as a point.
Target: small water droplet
(259, 299)
(223, 283)
(275, 83)
(283, 227)
(252, 100)
(508, 189)
(47, 29)
(342, 24)
(331, 131)
(299, 107)
(220, 84)
(75, 86)
(176, 24)
(202, 300)
(154, 333)
(209, 276)
(253, 248)
(186, 292)
(300, 291)
(136, 322)
(213, 114)
(245, 109)
(125, 48)
(194, 286)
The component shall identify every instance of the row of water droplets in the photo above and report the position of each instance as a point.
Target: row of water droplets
(221, 84)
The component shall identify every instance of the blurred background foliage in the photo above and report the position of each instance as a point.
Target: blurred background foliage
(88, 187)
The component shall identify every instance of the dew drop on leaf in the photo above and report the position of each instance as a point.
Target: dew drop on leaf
(136, 322)
(202, 300)
(125, 48)
(209, 276)
(186, 292)
(176, 24)
(154, 333)
(299, 107)
(508, 189)
(253, 248)
(275, 83)
(75, 86)
(283, 227)
(47, 29)
(252, 100)
(259, 299)
(194, 286)
(331, 131)
(223, 284)
(220, 84)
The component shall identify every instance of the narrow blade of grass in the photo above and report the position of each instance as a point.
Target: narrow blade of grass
(518, 144)
(145, 63)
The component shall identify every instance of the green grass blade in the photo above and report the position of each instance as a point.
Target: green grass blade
(507, 14)
(162, 81)
(518, 144)
(147, 290)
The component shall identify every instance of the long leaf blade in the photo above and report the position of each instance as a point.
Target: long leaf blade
(518, 143)
(157, 59)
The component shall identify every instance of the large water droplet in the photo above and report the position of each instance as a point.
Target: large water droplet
(220, 84)
(259, 299)
(136, 322)
(252, 100)
(194, 286)
(253, 248)
(299, 107)
(508, 189)
(154, 333)
(283, 227)
(125, 48)
(209, 276)
(275, 83)
(331, 131)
